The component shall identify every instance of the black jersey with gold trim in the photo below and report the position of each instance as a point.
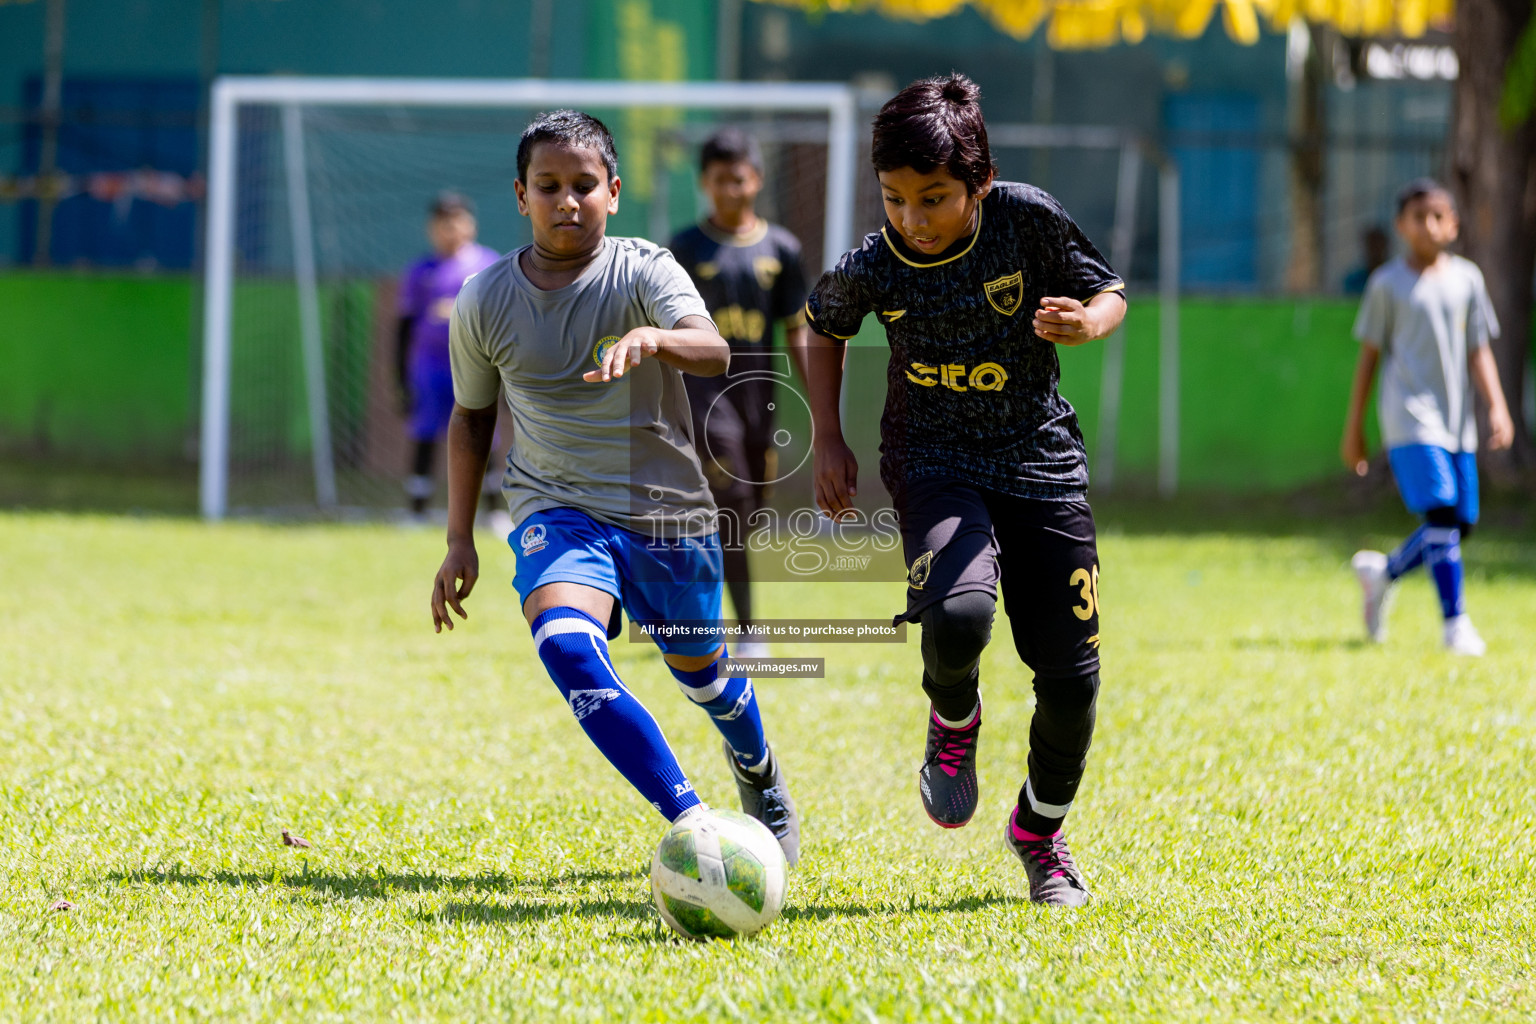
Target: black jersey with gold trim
(972, 392)
(749, 282)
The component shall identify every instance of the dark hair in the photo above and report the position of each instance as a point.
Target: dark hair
(730, 145)
(1418, 188)
(932, 123)
(447, 203)
(569, 128)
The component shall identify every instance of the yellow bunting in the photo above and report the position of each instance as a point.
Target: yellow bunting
(1133, 26)
(1241, 22)
(1092, 24)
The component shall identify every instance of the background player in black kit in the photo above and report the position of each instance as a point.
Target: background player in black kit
(976, 282)
(749, 273)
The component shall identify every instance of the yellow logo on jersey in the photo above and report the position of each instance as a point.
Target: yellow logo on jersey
(766, 268)
(922, 566)
(707, 271)
(983, 377)
(601, 348)
(1006, 294)
(741, 324)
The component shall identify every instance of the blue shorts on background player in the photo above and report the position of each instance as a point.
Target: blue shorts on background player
(1426, 321)
(589, 337)
(421, 351)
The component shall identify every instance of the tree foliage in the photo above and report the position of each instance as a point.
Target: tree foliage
(1089, 24)
(1519, 99)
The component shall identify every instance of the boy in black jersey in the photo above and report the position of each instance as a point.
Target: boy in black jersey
(748, 272)
(976, 282)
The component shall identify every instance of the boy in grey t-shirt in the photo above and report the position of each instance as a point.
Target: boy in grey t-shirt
(1426, 321)
(589, 337)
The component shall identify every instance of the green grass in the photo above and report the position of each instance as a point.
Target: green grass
(1280, 822)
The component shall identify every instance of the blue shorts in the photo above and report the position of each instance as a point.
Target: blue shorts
(657, 581)
(1431, 477)
(431, 400)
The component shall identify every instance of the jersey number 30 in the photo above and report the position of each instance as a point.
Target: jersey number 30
(1087, 586)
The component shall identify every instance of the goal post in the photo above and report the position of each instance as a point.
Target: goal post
(297, 296)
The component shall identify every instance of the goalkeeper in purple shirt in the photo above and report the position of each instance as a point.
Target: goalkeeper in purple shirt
(427, 292)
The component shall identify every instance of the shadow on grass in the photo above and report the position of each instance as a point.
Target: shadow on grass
(53, 485)
(834, 912)
(512, 912)
(516, 907)
(374, 885)
(519, 912)
(1313, 644)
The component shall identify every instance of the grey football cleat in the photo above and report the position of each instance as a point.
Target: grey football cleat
(766, 798)
(947, 779)
(1054, 879)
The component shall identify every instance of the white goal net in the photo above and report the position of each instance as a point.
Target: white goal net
(318, 197)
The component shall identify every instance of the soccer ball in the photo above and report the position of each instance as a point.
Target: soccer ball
(718, 874)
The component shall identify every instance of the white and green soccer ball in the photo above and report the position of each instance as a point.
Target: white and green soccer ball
(718, 874)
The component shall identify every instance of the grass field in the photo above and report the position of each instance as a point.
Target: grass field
(1280, 822)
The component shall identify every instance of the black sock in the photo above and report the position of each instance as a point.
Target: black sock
(955, 632)
(420, 484)
(1059, 736)
(421, 458)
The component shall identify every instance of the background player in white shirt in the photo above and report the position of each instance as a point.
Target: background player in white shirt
(1425, 322)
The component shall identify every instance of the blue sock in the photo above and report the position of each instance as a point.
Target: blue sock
(574, 648)
(732, 704)
(1442, 553)
(1408, 556)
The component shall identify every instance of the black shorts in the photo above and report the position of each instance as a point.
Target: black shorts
(960, 538)
(733, 434)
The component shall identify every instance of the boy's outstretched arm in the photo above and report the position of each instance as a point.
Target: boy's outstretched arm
(1352, 447)
(1066, 321)
(692, 345)
(470, 434)
(834, 467)
(1485, 375)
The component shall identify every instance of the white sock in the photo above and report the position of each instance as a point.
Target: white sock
(963, 723)
(761, 768)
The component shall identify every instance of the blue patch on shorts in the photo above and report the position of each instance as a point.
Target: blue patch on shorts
(655, 580)
(1432, 477)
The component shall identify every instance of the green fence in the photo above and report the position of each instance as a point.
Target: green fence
(1263, 386)
(96, 368)
(100, 370)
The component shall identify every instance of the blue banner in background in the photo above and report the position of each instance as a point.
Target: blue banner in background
(116, 125)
